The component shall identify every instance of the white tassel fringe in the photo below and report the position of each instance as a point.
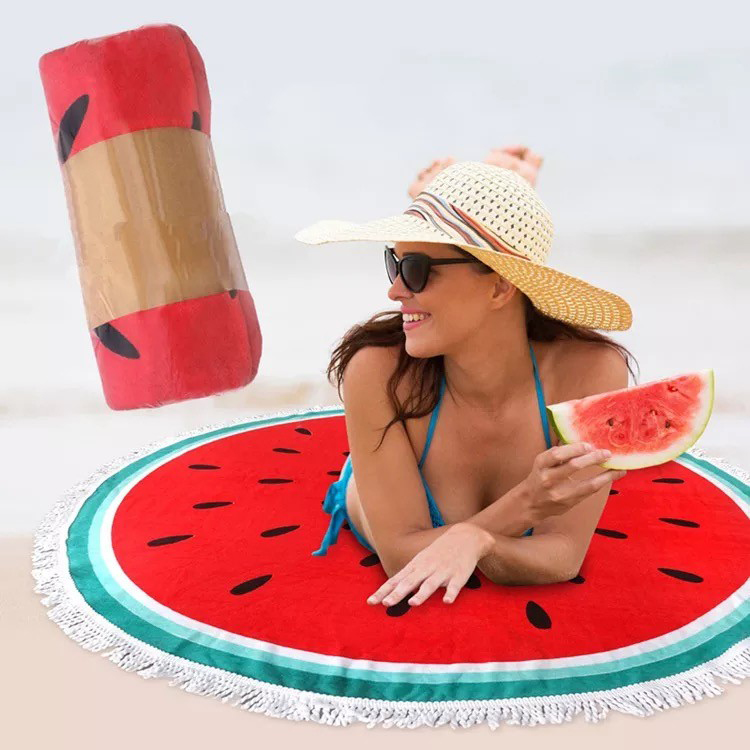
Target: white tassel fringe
(85, 626)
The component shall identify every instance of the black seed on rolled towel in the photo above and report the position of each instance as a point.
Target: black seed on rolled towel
(250, 585)
(203, 466)
(681, 522)
(682, 575)
(115, 341)
(212, 504)
(274, 480)
(169, 540)
(614, 492)
(612, 533)
(335, 473)
(577, 579)
(286, 450)
(302, 430)
(70, 124)
(669, 480)
(279, 530)
(537, 616)
(369, 560)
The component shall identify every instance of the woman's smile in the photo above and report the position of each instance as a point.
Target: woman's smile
(409, 324)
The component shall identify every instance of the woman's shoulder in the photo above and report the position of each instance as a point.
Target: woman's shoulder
(573, 361)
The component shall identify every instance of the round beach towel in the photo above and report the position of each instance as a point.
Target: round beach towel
(192, 560)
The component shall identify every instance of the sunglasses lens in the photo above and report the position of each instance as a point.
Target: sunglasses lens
(414, 269)
(390, 265)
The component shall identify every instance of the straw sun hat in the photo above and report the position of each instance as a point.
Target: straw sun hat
(497, 216)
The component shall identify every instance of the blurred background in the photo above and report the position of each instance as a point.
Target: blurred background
(329, 110)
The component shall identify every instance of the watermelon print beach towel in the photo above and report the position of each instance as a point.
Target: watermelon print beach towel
(192, 560)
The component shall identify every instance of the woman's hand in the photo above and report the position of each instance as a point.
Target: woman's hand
(449, 561)
(518, 158)
(549, 490)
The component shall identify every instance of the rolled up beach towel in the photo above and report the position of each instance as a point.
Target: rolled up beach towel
(167, 302)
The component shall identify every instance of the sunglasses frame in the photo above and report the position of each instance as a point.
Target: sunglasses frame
(425, 261)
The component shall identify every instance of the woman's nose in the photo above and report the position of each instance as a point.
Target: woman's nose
(398, 289)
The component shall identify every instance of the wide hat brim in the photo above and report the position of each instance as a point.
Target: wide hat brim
(553, 292)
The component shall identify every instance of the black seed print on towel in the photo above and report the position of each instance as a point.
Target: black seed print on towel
(612, 533)
(169, 540)
(250, 585)
(212, 504)
(274, 480)
(669, 480)
(681, 575)
(70, 124)
(286, 450)
(302, 430)
(681, 522)
(279, 530)
(537, 616)
(369, 560)
(203, 466)
(115, 341)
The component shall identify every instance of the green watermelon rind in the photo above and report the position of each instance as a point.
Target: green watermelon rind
(559, 417)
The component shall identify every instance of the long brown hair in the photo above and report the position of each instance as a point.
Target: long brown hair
(386, 329)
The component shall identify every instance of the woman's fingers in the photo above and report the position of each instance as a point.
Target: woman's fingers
(428, 587)
(388, 586)
(451, 590)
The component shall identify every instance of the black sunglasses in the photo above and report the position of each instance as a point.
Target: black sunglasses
(415, 267)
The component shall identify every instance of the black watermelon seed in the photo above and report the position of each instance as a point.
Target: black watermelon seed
(232, 293)
(286, 450)
(369, 560)
(669, 480)
(681, 522)
(612, 533)
(203, 466)
(473, 582)
(346, 453)
(115, 341)
(70, 124)
(279, 530)
(346, 526)
(334, 473)
(274, 480)
(577, 579)
(196, 124)
(251, 585)
(302, 430)
(681, 575)
(213, 504)
(614, 492)
(400, 608)
(537, 616)
(169, 540)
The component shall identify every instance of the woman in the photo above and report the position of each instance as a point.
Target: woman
(500, 335)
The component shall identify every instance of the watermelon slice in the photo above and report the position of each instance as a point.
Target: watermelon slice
(645, 425)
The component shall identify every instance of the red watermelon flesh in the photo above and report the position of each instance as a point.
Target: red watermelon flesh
(645, 425)
(224, 534)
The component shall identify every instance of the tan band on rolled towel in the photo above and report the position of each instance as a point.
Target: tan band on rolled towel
(149, 222)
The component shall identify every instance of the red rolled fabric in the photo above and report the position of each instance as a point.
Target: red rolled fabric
(166, 298)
